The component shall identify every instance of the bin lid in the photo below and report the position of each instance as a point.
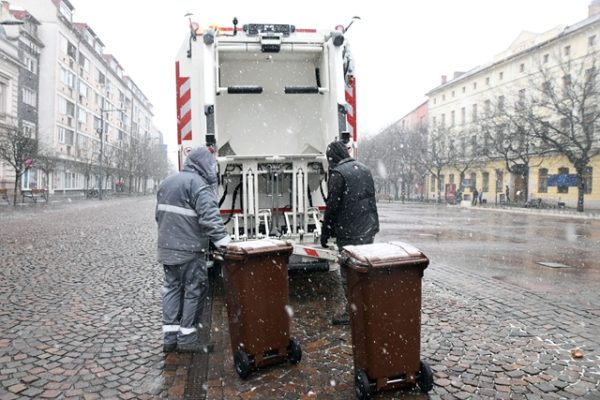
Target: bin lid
(383, 255)
(258, 247)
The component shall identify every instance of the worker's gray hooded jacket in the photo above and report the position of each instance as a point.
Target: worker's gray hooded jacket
(187, 212)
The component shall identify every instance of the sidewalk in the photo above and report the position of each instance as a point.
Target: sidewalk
(556, 212)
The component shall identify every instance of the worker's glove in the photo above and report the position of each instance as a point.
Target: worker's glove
(324, 242)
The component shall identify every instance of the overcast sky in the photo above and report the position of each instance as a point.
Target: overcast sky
(400, 48)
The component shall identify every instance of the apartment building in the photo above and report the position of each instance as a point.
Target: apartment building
(458, 105)
(10, 64)
(86, 96)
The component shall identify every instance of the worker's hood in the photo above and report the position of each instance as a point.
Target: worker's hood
(202, 162)
(336, 152)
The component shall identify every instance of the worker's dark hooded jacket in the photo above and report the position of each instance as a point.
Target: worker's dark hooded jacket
(187, 212)
(351, 214)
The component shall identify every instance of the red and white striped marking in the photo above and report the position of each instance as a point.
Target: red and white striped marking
(184, 106)
(314, 252)
(351, 101)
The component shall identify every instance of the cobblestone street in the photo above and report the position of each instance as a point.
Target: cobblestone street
(80, 318)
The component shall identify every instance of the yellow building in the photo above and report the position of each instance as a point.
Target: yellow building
(458, 106)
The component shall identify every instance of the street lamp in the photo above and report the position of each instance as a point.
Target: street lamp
(101, 133)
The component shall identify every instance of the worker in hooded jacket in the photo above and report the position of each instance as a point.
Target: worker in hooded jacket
(188, 220)
(351, 213)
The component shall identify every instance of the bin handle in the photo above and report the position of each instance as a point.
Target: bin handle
(218, 255)
(347, 260)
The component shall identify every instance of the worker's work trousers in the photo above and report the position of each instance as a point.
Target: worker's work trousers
(185, 289)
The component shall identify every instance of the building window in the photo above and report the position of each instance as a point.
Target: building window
(452, 118)
(29, 129)
(453, 93)
(567, 50)
(562, 183)
(487, 81)
(521, 101)
(474, 144)
(474, 113)
(66, 107)
(522, 67)
(451, 179)
(474, 85)
(499, 181)
(485, 186)
(29, 97)
(67, 77)
(3, 98)
(443, 122)
(82, 118)
(592, 41)
(487, 139)
(501, 75)
(101, 78)
(443, 97)
(65, 11)
(435, 100)
(71, 181)
(587, 180)
(473, 180)
(487, 107)
(30, 63)
(434, 121)
(501, 103)
(463, 115)
(83, 91)
(464, 89)
(432, 182)
(546, 58)
(84, 63)
(65, 136)
(543, 180)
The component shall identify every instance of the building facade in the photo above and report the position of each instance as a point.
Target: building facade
(10, 65)
(460, 109)
(92, 115)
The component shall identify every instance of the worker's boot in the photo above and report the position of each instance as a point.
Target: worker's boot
(341, 317)
(170, 342)
(191, 344)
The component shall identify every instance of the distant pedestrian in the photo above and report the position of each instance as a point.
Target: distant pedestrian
(480, 196)
(475, 197)
(506, 193)
(188, 219)
(351, 213)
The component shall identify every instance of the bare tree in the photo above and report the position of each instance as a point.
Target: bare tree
(563, 112)
(18, 150)
(369, 155)
(45, 161)
(437, 156)
(508, 136)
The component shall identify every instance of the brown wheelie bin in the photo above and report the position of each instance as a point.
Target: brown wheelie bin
(384, 296)
(255, 276)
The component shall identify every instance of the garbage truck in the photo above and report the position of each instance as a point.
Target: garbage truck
(267, 99)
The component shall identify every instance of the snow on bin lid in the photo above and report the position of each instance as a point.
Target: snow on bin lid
(259, 246)
(384, 254)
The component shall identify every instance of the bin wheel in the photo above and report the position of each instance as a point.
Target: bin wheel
(243, 365)
(362, 386)
(294, 351)
(425, 377)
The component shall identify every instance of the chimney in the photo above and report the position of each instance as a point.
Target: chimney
(444, 79)
(457, 74)
(594, 8)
